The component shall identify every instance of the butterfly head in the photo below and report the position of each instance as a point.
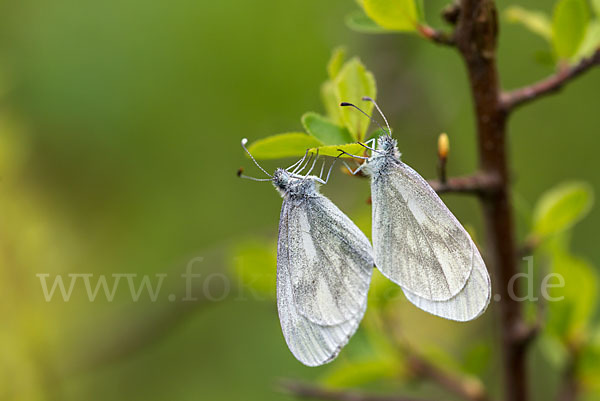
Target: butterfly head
(289, 184)
(282, 179)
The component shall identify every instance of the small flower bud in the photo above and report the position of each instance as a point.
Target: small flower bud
(443, 146)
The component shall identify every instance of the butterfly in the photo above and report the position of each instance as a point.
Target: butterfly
(417, 242)
(324, 266)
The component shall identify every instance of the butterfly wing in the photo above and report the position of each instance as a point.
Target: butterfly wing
(311, 343)
(324, 267)
(468, 304)
(418, 243)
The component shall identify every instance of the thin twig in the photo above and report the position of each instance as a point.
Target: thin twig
(443, 152)
(570, 386)
(436, 36)
(442, 171)
(511, 100)
(467, 389)
(303, 390)
(525, 332)
(477, 184)
(528, 246)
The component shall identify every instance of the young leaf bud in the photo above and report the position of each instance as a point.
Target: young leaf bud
(443, 146)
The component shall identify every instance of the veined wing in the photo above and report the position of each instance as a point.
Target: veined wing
(311, 343)
(468, 304)
(418, 243)
(329, 261)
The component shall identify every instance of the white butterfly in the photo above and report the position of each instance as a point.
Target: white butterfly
(417, 241)
(324, 267)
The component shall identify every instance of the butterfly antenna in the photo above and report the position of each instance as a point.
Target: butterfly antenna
(241, 175)
(369, 99)
(244, 142)
(359, 109)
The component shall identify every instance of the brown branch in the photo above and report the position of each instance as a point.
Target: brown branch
(451, 13)
(476, 38)
(528, 246)
(523, 334)
(302, 390)
(513, 99)
(467, 389)
(477, 184)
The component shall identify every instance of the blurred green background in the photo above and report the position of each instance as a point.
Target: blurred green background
(120, 124)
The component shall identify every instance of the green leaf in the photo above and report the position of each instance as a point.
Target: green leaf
(336, 61)
(255, 264)
(570, 306)
(591, 42)
(420, 5)
(397, 15)
(477, 359)
(353, 374)
(536, 21)
(334, 150)
(328, 96)
(360, 22)
(569, 24)
(588, 366)
(596, 7)
(283, 145)
(561, 207)
(554, 351)
(325, 131)
(330, 101)
(352, 83)
(545, 57)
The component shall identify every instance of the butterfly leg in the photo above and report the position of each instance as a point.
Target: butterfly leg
(367, 146)
(299, 161)
(356, 170)
(301, 167)
(322, 168)
(312, 167)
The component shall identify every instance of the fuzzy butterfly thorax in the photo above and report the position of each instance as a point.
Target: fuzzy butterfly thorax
(388, 146)
(387, 153)
(293, 186)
